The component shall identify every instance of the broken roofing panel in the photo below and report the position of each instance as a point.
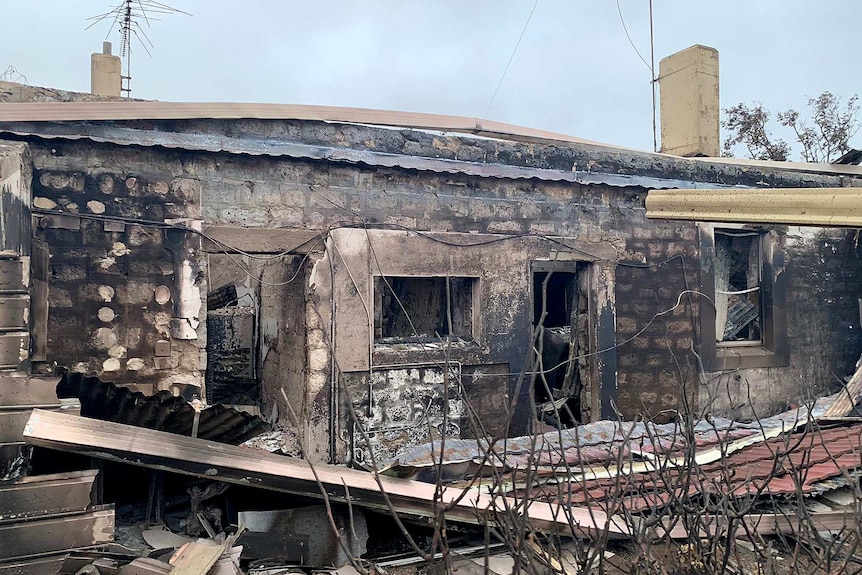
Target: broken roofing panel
(162, 411)
(230, 464)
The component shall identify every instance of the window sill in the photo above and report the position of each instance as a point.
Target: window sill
(394, 352)
(744, 357)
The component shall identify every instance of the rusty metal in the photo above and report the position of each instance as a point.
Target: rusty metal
(803, 206)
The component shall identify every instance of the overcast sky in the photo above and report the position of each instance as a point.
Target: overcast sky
(574, 72)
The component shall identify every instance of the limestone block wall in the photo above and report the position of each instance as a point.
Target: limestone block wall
(123, 291)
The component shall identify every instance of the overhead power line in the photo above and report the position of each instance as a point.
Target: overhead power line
(512, 57)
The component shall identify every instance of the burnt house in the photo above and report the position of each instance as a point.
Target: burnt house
(383, 278)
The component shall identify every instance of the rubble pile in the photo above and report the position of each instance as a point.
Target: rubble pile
(562, 502)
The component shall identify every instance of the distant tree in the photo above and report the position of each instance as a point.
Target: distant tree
(823, 137)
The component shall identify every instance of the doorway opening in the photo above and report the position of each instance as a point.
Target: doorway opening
(255, 330)
(561, 323)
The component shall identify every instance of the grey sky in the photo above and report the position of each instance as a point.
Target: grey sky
(575, 71)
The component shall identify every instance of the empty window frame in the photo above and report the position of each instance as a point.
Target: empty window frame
(744, 324)
(409, 308)
(738, 309)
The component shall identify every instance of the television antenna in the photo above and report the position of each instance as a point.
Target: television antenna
(128, 16)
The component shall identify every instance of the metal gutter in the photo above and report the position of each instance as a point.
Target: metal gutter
(802, 206)
(281, 148)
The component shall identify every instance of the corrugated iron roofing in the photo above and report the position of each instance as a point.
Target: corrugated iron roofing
(44, 112)
(107, 133)
(602, 441)
(796, 463)
(130, 110)
(162, 411)
(599, 442)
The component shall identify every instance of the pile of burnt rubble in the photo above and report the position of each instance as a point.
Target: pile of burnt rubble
(100, 480)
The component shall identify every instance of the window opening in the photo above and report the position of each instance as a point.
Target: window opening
(738, 310)
(423, 308)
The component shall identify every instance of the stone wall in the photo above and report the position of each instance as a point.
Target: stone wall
(119, 292)
(823, 326)
(653, 262)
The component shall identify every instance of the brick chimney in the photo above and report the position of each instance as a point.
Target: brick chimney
(689, 105)
(105, 72)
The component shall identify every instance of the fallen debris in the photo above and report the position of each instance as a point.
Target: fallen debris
(197, 557)
(31, 536)
(230, 464)
(162, 411)
(304, 535)
(47, 494)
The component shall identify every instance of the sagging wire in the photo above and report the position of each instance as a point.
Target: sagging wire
(625, 341)
(321, 239)
(224, 248)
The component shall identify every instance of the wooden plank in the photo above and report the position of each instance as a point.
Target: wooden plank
(196, 557)
(20, 390)
(40, 566)
(228, 463)
(28, 537)
(46, 494)
(262, 241)
(847, 398)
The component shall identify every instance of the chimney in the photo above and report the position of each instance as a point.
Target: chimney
(689, 108)
(105, 72)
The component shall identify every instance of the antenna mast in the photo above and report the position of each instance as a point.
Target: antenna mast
(128, 16)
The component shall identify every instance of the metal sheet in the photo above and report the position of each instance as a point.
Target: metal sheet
(20, 390)
(278, 148)
(131, 110)
(803, 206)
(162, 411)
(28, 537)
(46, 494)
(41, 566)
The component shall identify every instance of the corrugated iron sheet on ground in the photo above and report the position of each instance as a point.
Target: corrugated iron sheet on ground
(162, 411)
(604, 443)
(796, 463)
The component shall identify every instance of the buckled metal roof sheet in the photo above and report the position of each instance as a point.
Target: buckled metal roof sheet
(162, 411)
